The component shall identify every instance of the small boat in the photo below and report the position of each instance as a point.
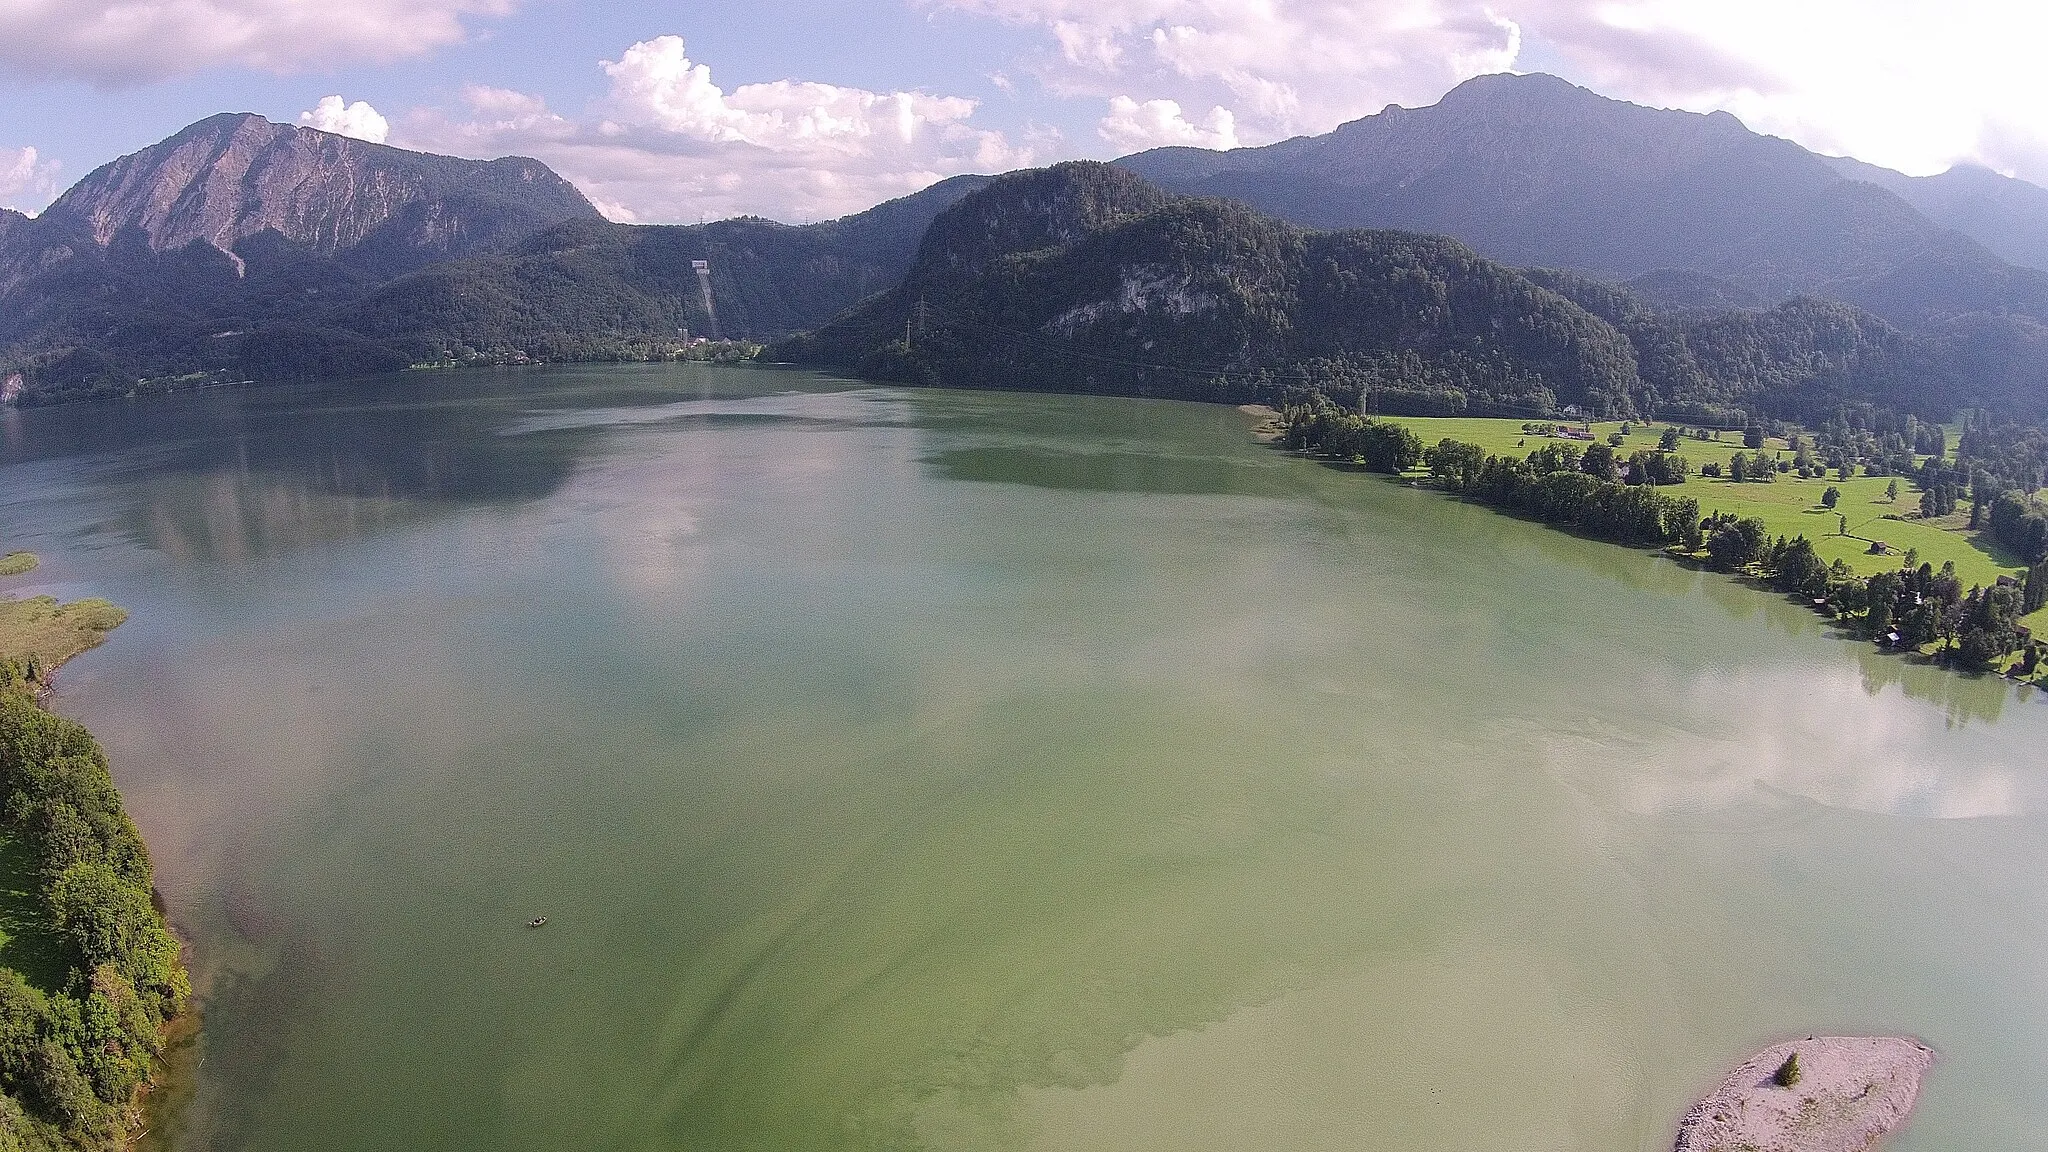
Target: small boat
(536, 922)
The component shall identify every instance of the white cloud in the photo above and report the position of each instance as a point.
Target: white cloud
(1905, 83)
(668, 143)
(27, 181)
(336, 115)
(1278, 67)
(1908, 85)
(655, 85)
(117, 43)
(1132, 126)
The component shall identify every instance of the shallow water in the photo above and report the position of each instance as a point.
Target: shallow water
(984, 771)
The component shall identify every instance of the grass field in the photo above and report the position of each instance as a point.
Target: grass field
(54, 632)
(1787, 505)
(17, 563)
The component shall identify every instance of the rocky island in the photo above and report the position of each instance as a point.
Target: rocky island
(1821, 1094)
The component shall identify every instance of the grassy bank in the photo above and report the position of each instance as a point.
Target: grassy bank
(38, 634)
(1788, 505)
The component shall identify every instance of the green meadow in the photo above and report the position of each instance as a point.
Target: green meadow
(1788, 505)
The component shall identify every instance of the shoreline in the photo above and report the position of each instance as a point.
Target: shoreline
(1267, 432)
(40, 637)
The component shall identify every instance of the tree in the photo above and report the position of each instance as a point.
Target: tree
(1734, 543)
(2035, 596)
(1831, 497)
(1753, 436)
(1738, 468)
(1598, 462)
(1668, 439)
(1799, 569)
(1455, 464)
(1891, 491)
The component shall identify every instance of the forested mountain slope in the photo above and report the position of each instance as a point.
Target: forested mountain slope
(583, 288)
(240, 248)
(1083, 277)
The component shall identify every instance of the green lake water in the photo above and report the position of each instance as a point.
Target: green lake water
(960, 770)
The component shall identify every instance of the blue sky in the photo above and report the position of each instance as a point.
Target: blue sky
(801, 109)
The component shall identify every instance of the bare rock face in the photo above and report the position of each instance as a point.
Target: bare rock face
(237, 175)
(1849, 1092)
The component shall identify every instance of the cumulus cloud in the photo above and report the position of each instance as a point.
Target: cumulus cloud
(336, 115)
(1132, 126)
(118, 43)
(656, 85)
(1910, 85)
(667, 143)
(27, 181)
(1274, 67)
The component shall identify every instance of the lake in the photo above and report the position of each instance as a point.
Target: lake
(962, 770)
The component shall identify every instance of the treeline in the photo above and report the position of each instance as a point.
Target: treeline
(1906, 609)
(1558, 483)
(74, 1054)
(1380, 445)
(1560, 486)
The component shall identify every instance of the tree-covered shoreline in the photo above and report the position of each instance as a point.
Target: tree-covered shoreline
(78, 1048)
(90, 974)
(1915, 608)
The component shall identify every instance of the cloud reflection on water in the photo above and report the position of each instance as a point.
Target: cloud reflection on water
(1813, 734)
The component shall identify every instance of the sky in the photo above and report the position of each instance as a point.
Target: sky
(805, 110)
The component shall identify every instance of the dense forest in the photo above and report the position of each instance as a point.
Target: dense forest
(83, 1005)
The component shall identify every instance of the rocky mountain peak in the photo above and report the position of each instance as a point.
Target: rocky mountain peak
(236, 175)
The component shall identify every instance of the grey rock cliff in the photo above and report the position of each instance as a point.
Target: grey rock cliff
(235, 176)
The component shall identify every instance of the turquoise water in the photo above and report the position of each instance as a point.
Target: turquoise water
(965, 770)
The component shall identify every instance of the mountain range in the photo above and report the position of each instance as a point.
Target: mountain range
(1723, 269)
(1537, 172)
(241, 248)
